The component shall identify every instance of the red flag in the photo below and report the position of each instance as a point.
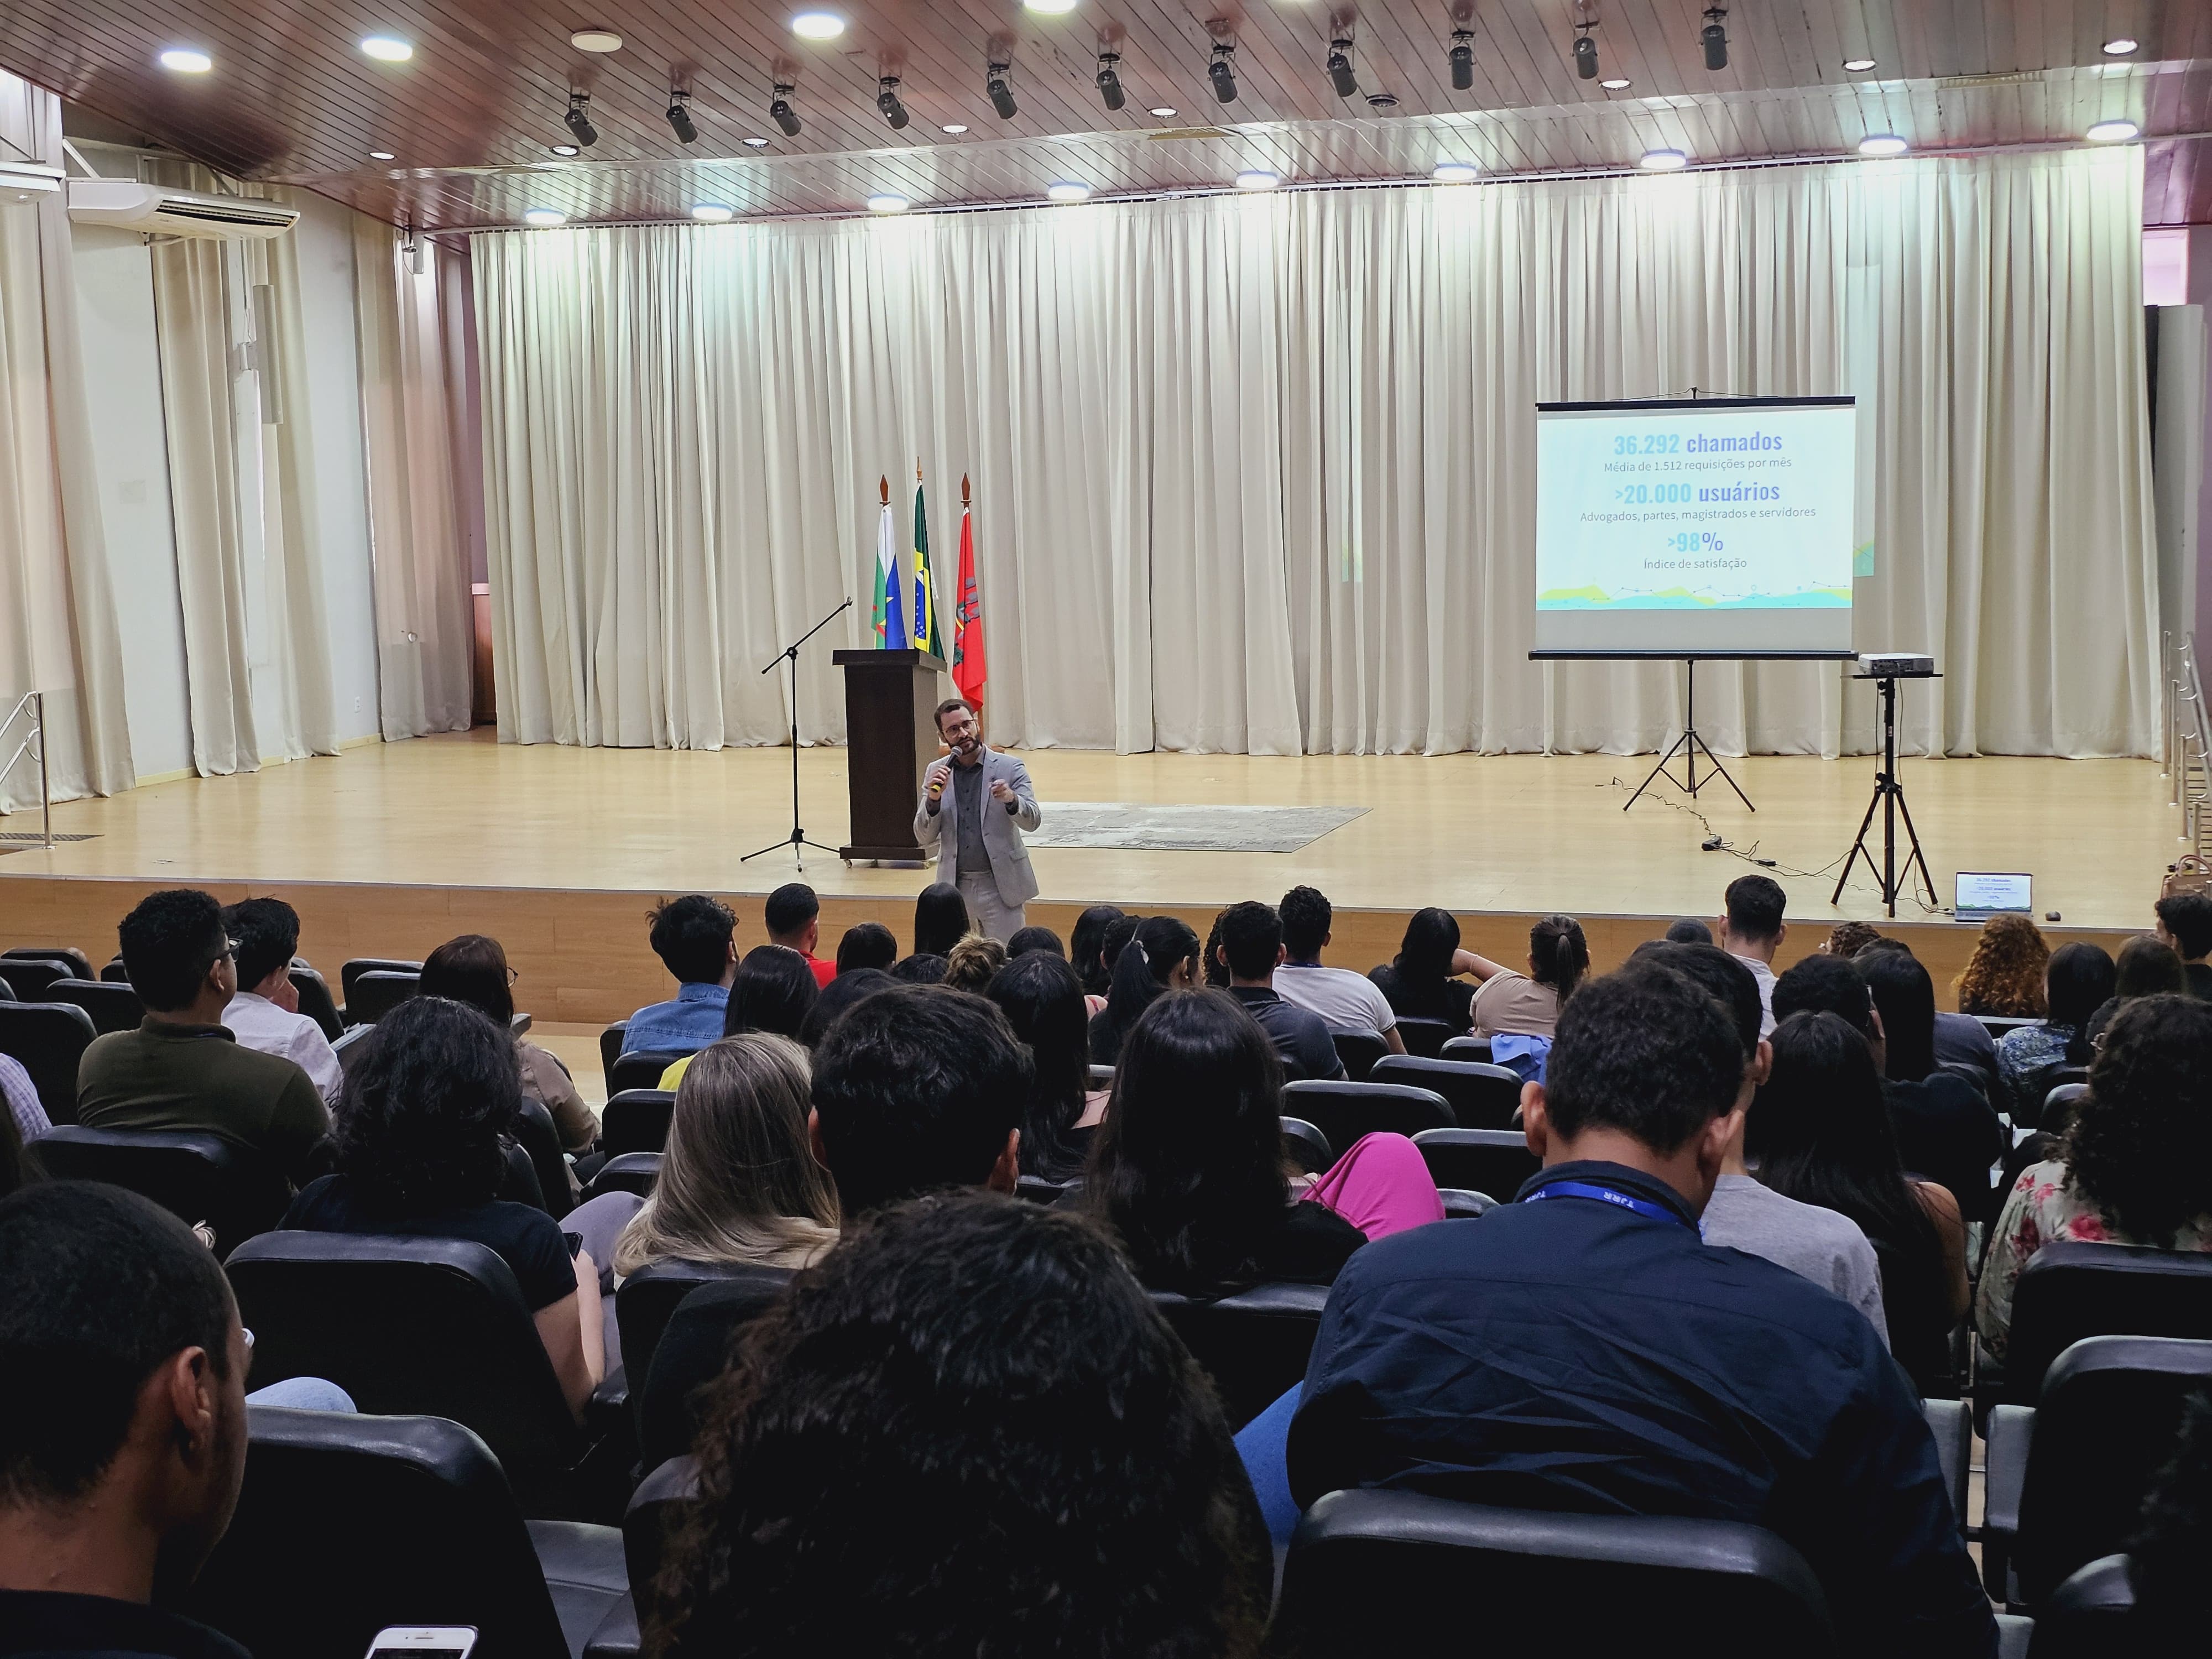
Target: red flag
(969, 670)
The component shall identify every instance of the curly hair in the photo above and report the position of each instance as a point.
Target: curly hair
(2140, 1147)
(1847, 938)
(421, 1125)
(2004, 977)
(966, 1431)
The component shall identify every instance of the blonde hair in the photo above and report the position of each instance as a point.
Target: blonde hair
(738, 1182)
(974, 963)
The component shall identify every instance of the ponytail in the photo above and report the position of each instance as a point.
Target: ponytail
(1560, 954)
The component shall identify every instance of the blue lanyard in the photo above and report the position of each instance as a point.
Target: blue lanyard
(1643, 1206)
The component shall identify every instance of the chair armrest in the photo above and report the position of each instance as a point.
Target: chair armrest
(1460, 1204)
(618, 1638)
(2011, 1432)
(2014, 1633)
(1949, 1422)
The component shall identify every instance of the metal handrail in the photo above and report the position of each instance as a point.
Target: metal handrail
(35, 742)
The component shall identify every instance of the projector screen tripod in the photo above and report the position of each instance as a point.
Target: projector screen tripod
(1889, 796)
(1689, 746)
(797, 839)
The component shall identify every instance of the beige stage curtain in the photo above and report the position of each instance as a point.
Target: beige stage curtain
(1257, 473)
(409, 397)
(57, 626)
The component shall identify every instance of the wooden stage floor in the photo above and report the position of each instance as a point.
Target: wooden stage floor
(390, 848)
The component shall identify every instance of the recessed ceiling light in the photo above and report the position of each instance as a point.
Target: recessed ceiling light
(1256, 178)
(564, 150)
(596, 40)
(387, 48)
(381, 155)
(756, 143)
(1050, 7)
(2113, 132)
(1164, 111)
(954, 127)
(1067, 189)
(183, 60)
(1615, 83)
(818, 26)
(1456, 173)
(545, 218)
(712, 212)
(1857, 65)
(1662, 161)
(1882, 143)
(2120, 46)
(888, 202)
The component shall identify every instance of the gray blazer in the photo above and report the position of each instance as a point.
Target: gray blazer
(1002, 830)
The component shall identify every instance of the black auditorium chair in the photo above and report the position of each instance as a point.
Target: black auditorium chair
(348, 1525)
(1102, 1077)
(432, 1327)
(350, 974)
(198, 1177)
(1952, 1423)
(693, 1351)
(2067, 1478)
(1425, 1037)
(641, 1068)
(648, 1299)
(1254, 1345)
(611, 1050)
(1039, 1190)
(79, 965)
(316, 1001)
(112, 1007)
(535, 1133)
(48, 1039)
(378, 991)
(29, 977)
(647, 1523)
(626, 1172)
(636, 1121)
(1375, 1572)
(114, 973)
(352, 1046)
(2069, 1290)
(1481, 1096)
(1359, 1052)
(1306, 1146)
(1493, 1162)
(2091, 1615)
(1997, 1025)
(1471, 1050)
(1346, 1111)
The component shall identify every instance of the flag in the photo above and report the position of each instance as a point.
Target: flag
(927, 634)
(890, 615)
(968, 670)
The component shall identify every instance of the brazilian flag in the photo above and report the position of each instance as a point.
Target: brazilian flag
(928, 637)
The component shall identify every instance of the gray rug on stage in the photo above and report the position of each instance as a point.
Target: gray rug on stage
(1152, 828)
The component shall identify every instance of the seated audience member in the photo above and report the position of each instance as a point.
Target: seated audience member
(866, 945)
(1946, 1130)
(1688, 930)
(1250, 950)
(1847, 938)
(793, 917)
(1042, 1001)
(1528, 1005)
(121, 1424)
(1422, 982)
(916, 1089)
(1033, 937)
(16, 1165)
(1743, 1214)
(941, 920)
(1213, 970)
(839, 994)
(1087, 950)
(973, 963)
(1580, 1349)
(1189, 1167)
(2166, 1558)
(1960, 1039)
(695, 938)
(265, 1014)
(421, 1154)
(2135, 1166)
(1751, 931)
(2147, 966)
(2003, 975)
(1821, 984)
(775, 990)
(2185, 921)
(969, 1432)
(2077, 982)
(1161, 956)
(25, 1109)
(473, 969)
(920, 968)
(1822, 1135)
(1346, 1001)
(181, 1068)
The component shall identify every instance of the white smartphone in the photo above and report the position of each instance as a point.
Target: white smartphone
(423, 1642)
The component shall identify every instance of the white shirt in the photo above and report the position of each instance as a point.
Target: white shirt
(1345, 1000)
(258, 1022)
(1764, 975)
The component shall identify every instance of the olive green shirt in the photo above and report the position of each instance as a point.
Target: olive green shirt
(197, 1078)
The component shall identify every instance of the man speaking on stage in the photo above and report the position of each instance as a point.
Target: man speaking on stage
(975, 803)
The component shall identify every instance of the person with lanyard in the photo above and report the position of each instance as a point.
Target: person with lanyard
(1583, 1349)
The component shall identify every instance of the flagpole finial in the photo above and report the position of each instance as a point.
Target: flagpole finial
(964, 490)
(883, 484)
(917, 469)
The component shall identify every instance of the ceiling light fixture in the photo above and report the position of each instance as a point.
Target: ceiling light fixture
(1050, 7)
(2119, 46)
(888, 202)
(1456, 173)
(545, 218)
(1585, 52)
(185, 60)
(601, 41)
(1109, 80)
(1615, 83)
(1067, 189)
(564, 150)
(1662, 161)
(1002, 95)
(1463, 59)
(954, 127)
(712, 213)
(781, 112)
(1857, 65)
(1339, 68)
(887, 102)
(2114, 132)
(1223, 71)
(382, 156)
(387, 48)
(578, 119)
(679, 118)
(1714, 37)
(756, 143)
(1164, 111)
(1381, 101)
(1257, 179)
(1882, 143)
(818, 26)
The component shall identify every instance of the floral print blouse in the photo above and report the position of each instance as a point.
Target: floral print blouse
(2026, 1056)
(2042, 1207)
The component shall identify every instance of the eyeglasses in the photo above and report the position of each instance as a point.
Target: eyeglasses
(512, 977)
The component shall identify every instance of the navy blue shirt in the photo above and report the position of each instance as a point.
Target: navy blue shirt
(1579, 1355)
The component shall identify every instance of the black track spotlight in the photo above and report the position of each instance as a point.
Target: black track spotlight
(679, 118)
(1714, 36)
(1002, 95)
(887, 100)
(1585, 55)
(1463, 59)
(782, 113)
(1339, 68)
(578, 119)
(1223, 71)
(1109, 80)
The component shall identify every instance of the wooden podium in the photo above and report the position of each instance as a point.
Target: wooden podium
(890, 737)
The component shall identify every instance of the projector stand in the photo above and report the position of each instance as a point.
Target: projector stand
(797, 839)
(1689, 746)
(1889, 795)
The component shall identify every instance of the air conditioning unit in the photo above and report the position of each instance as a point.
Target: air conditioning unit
(158, 210)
